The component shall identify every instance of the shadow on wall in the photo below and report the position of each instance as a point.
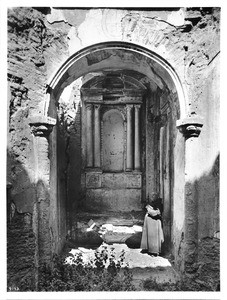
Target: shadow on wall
(69, 158)
(202, 258)
(209, 227)
(21, 243)
(208, 200)
(28, 228)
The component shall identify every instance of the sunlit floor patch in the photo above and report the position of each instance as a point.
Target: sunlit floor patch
(143, 266)
(133, 257)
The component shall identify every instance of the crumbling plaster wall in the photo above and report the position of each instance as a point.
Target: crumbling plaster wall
(69, 148)
(40, 40)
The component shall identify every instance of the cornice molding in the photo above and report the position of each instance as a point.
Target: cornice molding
(41, 125)
(190, 126)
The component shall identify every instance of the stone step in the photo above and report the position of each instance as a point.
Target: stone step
(89, 228)
(115, 218)
(118, 234)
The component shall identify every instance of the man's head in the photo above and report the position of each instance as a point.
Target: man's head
(156, 203)
(154, 196)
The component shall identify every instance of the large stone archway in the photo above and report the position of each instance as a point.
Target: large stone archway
(118, 55)
(167, 147)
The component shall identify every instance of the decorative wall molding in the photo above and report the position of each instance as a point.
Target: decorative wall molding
(41, 125)
(101, 94)
(112, 98)
(97, 180)
(89, 107)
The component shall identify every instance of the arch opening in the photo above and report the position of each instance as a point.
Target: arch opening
(118, 55)
(116, 91)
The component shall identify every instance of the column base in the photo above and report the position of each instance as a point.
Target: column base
(137, 171)
(93, 169)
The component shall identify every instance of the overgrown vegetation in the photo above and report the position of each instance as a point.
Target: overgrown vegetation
(185, 284)
(104, 272)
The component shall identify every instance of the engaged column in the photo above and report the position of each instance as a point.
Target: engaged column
(129, 153)
(89, 149)
(137, 139)
(97, 159)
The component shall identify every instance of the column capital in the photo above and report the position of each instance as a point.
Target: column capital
(89, 106)
(41, 125)
(129, 107)
(137, 106)
(190, 126)
(97, 106)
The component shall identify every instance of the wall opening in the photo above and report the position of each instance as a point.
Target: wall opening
(120, 147)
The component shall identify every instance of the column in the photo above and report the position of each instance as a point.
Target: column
(161, 134)
(191, 128)
(129, 152)
(167, 184)
(89, 127)
(137, 139)
(97, 140)
(41, 127)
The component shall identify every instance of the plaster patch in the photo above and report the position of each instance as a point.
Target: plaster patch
(100, 25)
(74, 42)
(111, 23)
(55, 16)
(91, 28)
(176, 18)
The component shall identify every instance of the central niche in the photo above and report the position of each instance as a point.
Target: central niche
(113, 137)
(111, 143)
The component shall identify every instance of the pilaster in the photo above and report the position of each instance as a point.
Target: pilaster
(129, 146)
(41, 127)
(137, 138)
(190, 127)
(97, 138)
(89, 134)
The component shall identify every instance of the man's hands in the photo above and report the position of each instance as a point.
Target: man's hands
(151, 211)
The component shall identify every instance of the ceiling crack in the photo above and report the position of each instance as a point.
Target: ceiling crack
(213, 58)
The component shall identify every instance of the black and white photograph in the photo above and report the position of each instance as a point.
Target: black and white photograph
(113, 149)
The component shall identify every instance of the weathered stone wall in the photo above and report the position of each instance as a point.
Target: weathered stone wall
(208, 181)
(21, 259)
(29, 188)
(40, 40)
(204, 177)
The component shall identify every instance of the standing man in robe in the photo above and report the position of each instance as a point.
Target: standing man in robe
(152, 236)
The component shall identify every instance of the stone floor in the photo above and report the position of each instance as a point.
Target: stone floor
(142, 265)
(120, 232)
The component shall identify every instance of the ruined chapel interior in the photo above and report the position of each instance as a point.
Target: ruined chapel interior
(108, 108)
